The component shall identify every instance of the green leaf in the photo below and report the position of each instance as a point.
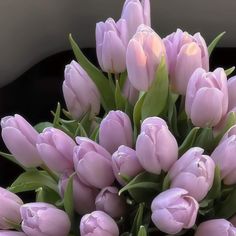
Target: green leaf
(102, 83)
(120, 100)
(166, 183)
(42, 125)
(157, 96)
(32, 180)
(214, 43)
(11, 158)
(80, 131)
(138, 219)
(142, 231)
(230, 70)
(205, 139)
(45, 194)
(57, 115)
(68, 198)
(94, 134)
(189, 141)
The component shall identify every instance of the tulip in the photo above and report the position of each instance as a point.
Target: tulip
(98, 223)
(229, 133)
(9, 209)
(20, 138)
(174, 210)
(130, 93)
(84, 196)
(76, 88)
(193, 172)
(144, 54)
(141, 11)
(125, 161)
(40, 219)
(156, 147)
(93, 164)
(119, 122)
(185, 53)
(231, 91)
(111, 43)
(11, 233)
(110, 202)
(56, 149)
(224, 157)
(216, 227)
(207, 92)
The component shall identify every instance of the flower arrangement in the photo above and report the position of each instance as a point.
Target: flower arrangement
(147, 146)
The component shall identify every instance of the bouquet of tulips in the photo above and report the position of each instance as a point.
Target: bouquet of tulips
(147, 145)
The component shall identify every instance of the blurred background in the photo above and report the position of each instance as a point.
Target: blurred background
(35, 49)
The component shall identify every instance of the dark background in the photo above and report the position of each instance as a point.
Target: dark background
(37, 91)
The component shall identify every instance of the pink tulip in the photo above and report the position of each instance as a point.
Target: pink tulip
(11, 233)
(144, 54)
(185, 53)
(130, 93)
(174, 210)
(20, 138)
(231, 91)
(207, 91)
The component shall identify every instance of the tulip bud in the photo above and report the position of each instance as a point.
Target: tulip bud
(229, 133)
(40, 219)
(231, 90)
(141, 11)
(76, 87)
(20, 138)
(144, 54)
(119, 122)
(152, 143)
(224, 157)
(130, 93)
(125, 161)
(110, 202)
(207, 92)
(217, 227)
(11, 233)
(56, 149)
(93, 163)
(9, 209)
(174, 210)
(84, 196)
(111, 43)
(193, 172)
(185, 53)
(98, 223)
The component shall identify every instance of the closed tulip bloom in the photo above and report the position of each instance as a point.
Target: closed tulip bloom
(144, 54)
(174, 210)
(98, 223)
(141, 11)
(20, 138)
(42, 219)
(9, 209)
(185, 53)
(156, 147)
(193, 172)
(11, 233)
(56, 149)
(229, 133)
(111, 43)
(217, 227)
(93, 163)
(125, 161)
(80, 93)
(207, 91)
(224, 157)
(130, 93)
(110, 202)
(231, 90)
(84, 196)
(118, 122)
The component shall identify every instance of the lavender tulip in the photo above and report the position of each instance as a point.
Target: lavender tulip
(9, 209)
(185, 53)
(20, 138)
(144, 54)
(119, 122)
(98, 223)
(125, 161)
(229, 133)
(130, 93)
(110, 202)
(193, 172)
(41, 219)
(84, 196)
(76, 87)
(217, 227)
(174, 210)
(152, 143)
(141, 11)
(93, 163)
(224, 157)
(11, 233)
(111, 43)
(207, 92)
(56, 149)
